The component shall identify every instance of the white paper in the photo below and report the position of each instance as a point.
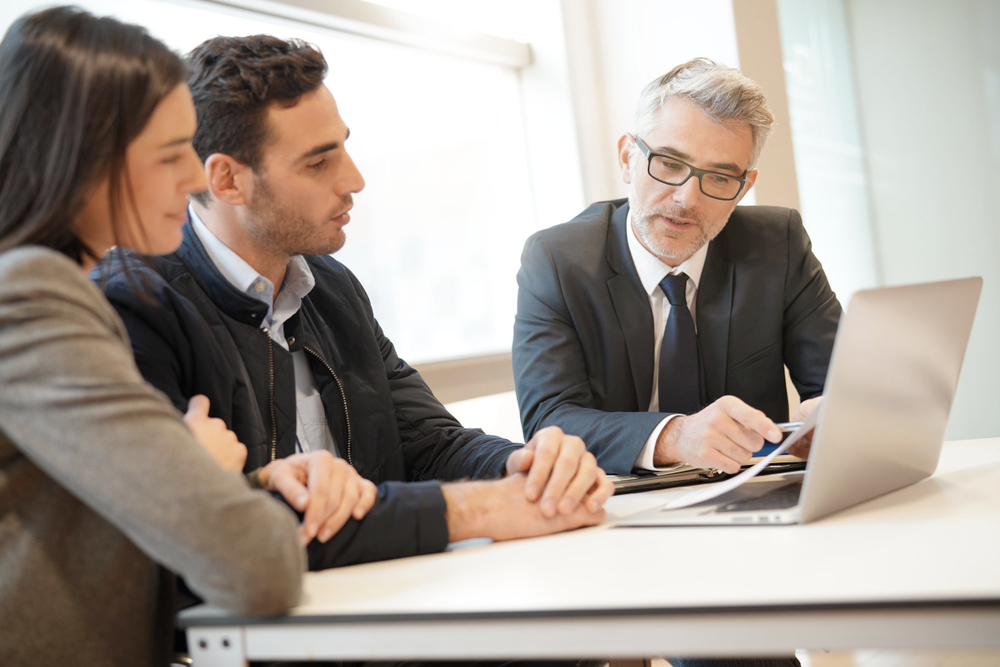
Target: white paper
(717, 489)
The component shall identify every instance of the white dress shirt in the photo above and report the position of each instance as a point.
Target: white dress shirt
(652, 270)
(311, 429)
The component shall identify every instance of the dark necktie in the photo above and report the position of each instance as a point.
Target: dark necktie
(679, 376)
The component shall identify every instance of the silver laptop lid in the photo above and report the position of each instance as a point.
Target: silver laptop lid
(892, 380)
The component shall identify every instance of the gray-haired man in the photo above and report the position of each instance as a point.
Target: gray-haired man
(656, 328)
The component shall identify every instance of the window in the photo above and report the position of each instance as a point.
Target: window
(436, 235)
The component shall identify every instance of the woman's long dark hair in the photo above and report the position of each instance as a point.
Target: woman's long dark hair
(75, 90)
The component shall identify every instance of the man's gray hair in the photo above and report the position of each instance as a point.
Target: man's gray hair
(723, 93)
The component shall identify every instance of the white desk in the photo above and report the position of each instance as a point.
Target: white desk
(917, 568)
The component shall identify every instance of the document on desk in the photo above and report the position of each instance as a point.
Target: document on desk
(715, 490)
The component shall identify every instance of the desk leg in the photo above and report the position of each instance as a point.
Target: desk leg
(217, 646)
(631, 663)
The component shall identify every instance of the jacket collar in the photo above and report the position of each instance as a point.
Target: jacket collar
(714, 312)
(227, 298)
(631, 307)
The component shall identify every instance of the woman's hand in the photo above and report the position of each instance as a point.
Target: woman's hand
(212, 434)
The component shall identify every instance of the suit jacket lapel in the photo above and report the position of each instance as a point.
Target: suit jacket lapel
(714, 310)
(632, 308)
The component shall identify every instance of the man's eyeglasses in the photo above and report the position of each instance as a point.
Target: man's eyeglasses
(671, 171)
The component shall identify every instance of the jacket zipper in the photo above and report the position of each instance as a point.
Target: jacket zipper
(343, 396)
(270, 392)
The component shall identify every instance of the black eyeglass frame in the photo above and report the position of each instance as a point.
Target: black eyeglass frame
(694, 171)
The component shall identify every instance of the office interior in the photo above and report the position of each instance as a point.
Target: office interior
(477, 123)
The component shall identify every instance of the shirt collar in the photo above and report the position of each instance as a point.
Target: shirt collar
(652, 269)
(298, 276)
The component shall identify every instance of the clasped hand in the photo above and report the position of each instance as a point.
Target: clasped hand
(325, 489)
(561, 473)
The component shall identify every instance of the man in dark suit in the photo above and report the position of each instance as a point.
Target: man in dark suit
(656, 328)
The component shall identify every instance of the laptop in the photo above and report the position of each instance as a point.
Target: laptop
(881, 425)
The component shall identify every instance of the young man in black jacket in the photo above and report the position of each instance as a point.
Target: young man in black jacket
(253, 313)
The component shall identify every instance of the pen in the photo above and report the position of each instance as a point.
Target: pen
(788, 427)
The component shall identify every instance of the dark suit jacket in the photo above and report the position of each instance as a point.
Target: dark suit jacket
(583, 336)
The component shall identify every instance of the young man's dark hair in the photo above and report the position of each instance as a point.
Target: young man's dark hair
(233, 82)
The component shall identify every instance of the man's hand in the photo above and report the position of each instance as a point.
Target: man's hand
(212, 434)
(722, 436)
(327, 490)
(802, 447)
(561, 473)
(501, 510)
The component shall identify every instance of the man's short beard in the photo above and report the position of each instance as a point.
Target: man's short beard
(653, 241)
(276, 228)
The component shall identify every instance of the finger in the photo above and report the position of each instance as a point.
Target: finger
(802, 447)
(322, 471)
(334, 523)
(520, 460)
(805, 408)
(350, 491)
(239, 456)
(369, 492)
(599, 493)
(566, 467)
(197, 407)
(723, 452)
(287, 481)
(734, 440)
(751, 419)
(546, 448)
(580, 484)
(720, 460)
(223, 430)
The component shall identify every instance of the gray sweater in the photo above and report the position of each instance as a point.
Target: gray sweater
(100, 480)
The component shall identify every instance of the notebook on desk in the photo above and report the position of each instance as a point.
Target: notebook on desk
(881, 423)
(688, 475)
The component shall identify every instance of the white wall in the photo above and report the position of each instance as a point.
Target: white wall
(829, 155)
(928, 85)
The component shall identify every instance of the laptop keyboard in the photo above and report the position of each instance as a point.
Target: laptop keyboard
(780, 498)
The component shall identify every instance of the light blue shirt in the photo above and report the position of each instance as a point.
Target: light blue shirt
(311, 429)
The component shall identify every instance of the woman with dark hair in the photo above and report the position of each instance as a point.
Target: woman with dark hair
(100, 478)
